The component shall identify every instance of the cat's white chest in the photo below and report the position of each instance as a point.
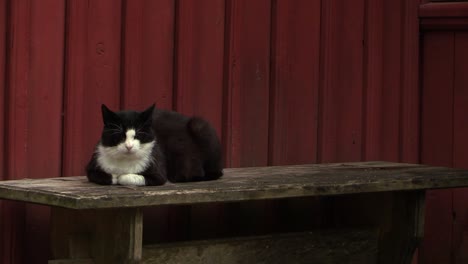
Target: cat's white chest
(114, 161)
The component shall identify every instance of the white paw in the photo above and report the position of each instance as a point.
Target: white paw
(115, 179)
(132, 179)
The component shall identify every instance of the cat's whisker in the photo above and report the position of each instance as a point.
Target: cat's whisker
(142, 125)
(116, 127)
(114, 131)
(138, 131)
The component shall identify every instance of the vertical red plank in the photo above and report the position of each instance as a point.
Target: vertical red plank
(342, 80)
(410, 105)
(373, 62)
(246, 101)
(45, 82)
(394, 45)
(34, 105)
(295, 56)
(147, 76)
(18, 83)
(92, 76)
(16, 127)
(460, 146)
(383, 77)
(45, 114)
(199, 85)
(148, 54)
(3, 44)
(200, 50)
(437, 90)
(295, 81)
(247, 77)
(437, 141)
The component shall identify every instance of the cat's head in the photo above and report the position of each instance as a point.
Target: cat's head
(127, 133)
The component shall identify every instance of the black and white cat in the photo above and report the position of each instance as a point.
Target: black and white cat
(153, 146)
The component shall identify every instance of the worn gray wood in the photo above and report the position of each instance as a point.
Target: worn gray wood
(240, 184)
(329, 246)
(106, 236)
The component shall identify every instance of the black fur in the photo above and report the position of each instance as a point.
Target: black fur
(191, 147)
(187, 148)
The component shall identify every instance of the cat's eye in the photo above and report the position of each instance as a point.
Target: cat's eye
(142, 133)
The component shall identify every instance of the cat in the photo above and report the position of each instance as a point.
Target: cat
(153, 146)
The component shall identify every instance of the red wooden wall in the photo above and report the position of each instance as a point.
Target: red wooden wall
(444, 126)
(283, 82)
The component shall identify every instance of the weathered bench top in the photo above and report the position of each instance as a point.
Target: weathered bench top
(239, 184)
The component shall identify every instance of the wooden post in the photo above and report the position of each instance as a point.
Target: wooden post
(403, 231)
(398, 215)
(105, 236)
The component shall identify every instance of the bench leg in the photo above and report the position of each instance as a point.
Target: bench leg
(398, 215)
(105, 236)
(404, 230)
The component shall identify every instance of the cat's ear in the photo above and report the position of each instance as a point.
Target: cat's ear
(107, 115)
(147, 115)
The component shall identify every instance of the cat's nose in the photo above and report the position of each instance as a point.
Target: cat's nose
(129, 147)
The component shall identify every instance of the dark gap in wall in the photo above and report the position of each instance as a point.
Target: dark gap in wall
(320, 92)
(175, 63)
(226, 97)
(6, 72)
(400, 106)
(8, 40)
(123, 29)
(64, 81)
(365, 69)
(272, 82)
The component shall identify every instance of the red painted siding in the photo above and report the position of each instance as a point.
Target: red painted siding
(147, 70)
(382, 105)
(341, 97)
(294, 78)
(443, 142)
(147, 54)
(92, 76)
(247, 82)
(283, 82)
(33, 119)
(44, 113)
(460, 146)
(3, 45)
(437, 140)
(443, 126)
(198, 88)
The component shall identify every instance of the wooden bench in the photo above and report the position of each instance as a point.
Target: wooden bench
(376, 214)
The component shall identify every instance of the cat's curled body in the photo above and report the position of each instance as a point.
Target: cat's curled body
(153, 146)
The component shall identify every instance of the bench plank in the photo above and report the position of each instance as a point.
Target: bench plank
(239, 184)
(324, 246)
